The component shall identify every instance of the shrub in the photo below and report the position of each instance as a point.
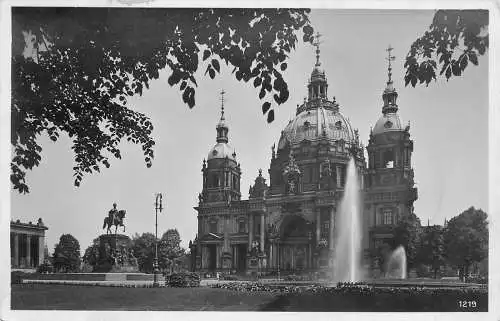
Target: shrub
(17, 277)
(184, 280)
(477, 279)
(45, 268)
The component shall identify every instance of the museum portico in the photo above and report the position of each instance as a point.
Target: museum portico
(27, 244)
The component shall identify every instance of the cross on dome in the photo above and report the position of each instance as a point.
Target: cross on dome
(389, 59)
(222, 104)
(316, 43)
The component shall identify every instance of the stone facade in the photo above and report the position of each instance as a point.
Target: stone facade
(289, 225)
(27, 244)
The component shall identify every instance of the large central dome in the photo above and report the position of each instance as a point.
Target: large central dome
(316, 120)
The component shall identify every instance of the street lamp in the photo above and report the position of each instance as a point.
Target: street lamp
(158, 206)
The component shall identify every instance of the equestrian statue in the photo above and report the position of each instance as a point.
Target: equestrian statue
(115, 217)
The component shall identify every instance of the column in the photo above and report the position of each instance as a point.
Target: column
(309, 262)
(28, 250)
(204, 256)
(218, 256)
(226, 235)
(16, 250)
(250, 231)
(271, 255)
(318, 225)
(262, 223)
(339, 175)
(332, 222)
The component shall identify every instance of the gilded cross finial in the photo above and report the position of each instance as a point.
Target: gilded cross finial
(389, 59)
(316, 43)
(222, 103)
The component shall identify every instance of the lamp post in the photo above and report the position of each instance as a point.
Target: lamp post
(158, 206)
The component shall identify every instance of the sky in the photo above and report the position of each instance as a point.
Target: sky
(449, 126)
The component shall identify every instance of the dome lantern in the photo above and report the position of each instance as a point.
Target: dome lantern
(222, 148)
(318, 85)
(390, 120)
(390, 95)
(222, 128)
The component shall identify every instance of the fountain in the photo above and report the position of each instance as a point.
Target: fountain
(396, 265)
(347, 265)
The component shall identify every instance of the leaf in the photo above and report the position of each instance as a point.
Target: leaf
(211, 72)
(455, 68)
(463, 62)
(308, 30)
(206, 54)
(283, 66)
(473, 58)
(183, 85)
(262, 93)
(270, 116)
(265, 107)
(173, 79)
(448, 73)
(413, 81)
(257, 81)
(216, 65)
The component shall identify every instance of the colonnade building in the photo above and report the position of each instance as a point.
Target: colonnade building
(27, 244)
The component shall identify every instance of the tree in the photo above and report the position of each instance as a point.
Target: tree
(67, 254)
(466, 239)
(431, 248)
(74, 68)
(455, 38)
(406, 234)
(169, 250)
(144, 251)
(91, 255)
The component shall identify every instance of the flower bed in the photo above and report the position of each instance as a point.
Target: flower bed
(342, 288)
(184, 280)
(362, 297)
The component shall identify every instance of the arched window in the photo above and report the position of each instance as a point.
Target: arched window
(235, 182)
(215, 180)
(389, 159)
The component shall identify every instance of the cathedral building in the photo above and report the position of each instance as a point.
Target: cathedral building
(289, 223)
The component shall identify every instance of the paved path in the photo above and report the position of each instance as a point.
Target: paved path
(100, 283)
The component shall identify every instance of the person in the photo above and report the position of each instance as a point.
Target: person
(113, 213)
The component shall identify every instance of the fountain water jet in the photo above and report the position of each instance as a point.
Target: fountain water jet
(396, 266)
(347, 257)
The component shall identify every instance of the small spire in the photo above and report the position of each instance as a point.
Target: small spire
(389, 95)
(222, 128)
(222, 104)
(316, 43)
(389, 59)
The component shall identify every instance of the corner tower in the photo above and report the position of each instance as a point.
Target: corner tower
(221, 172)
(389, 185)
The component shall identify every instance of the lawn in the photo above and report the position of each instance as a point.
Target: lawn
(73, 297)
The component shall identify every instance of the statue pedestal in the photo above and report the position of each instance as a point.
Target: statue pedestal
(116, 255)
